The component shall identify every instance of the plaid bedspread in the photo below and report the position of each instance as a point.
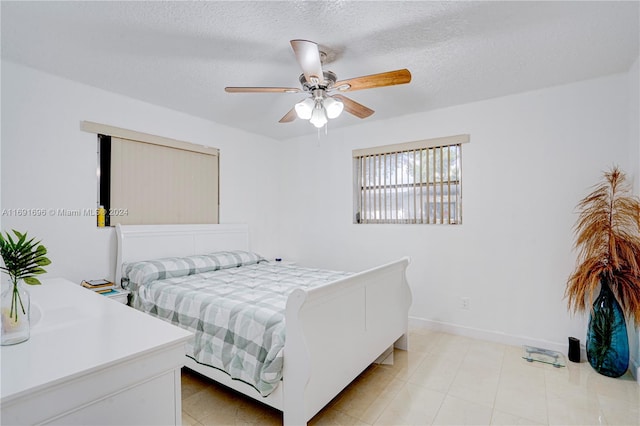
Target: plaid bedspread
(236, 314)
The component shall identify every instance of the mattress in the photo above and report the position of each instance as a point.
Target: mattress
(236, 313)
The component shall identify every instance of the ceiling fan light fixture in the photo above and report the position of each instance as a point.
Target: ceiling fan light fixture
(305, 108)
(318, 116)
(334, 107)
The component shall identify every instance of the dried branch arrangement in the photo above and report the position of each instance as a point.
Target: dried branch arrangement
(608, 243)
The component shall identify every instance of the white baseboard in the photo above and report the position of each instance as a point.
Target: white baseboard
(635, 369)
(494, 336)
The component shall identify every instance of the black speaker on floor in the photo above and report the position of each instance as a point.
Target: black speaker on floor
(574, 349)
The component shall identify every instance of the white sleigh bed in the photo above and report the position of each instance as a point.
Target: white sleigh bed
(333, 332)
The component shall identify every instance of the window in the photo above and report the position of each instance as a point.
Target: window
(414, 182)
(146, 179)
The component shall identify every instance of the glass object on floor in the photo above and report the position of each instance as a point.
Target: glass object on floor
(546, 356)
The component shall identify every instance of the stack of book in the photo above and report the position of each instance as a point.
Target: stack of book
(99, 286)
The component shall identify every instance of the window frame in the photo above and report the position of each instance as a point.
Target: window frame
(414, 180)
(187, 151)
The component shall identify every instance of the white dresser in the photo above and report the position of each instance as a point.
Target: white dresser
(91, 360)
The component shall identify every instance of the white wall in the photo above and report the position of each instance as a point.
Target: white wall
(634, 123)
(634, 145)
(49, 163)
(531, 158)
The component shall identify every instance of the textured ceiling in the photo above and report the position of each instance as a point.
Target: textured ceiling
(182, 54)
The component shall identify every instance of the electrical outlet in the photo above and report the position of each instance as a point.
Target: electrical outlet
(465, 303)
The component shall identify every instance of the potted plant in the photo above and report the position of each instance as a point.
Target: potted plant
(23, 259)
(607, 237)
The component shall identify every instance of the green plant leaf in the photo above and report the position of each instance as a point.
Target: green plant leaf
(23, 257)
(36, 270)
(31, 281)
(43, 261)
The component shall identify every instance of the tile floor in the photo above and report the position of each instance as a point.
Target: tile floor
(443, 380)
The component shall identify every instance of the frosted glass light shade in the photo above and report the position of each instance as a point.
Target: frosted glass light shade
(305, 108)
(318, 116)
(333, 106)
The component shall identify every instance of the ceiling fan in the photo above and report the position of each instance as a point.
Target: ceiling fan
(325, 100)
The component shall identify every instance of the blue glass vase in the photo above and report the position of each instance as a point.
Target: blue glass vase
(607, 342)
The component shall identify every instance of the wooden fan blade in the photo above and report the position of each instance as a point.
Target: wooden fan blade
(353, 107)
(289, 117)
(308, 57)
(261, 89)
(390, 78)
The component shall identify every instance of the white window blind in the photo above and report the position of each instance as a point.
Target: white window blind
(162, 185)
(416, 182)
(156, 180)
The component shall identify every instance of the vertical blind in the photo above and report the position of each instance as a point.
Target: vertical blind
(416, 182)
(155, 184)
(158, 180)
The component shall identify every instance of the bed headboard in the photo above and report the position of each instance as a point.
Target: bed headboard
(145, 242)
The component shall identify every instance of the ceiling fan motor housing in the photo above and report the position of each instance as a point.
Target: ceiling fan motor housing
(309, 86)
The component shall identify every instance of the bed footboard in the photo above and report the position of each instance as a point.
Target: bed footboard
(335, 331)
